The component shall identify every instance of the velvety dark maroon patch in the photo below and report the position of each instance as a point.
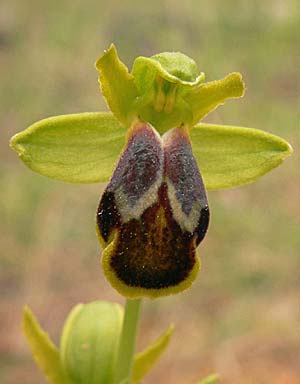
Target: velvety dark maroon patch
(202, 226)
(140, 164)
(153, 252)
(108, 216)
(182, 170)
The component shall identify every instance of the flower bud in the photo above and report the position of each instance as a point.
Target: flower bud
(89, 342)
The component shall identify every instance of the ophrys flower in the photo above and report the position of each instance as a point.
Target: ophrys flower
(154, 212)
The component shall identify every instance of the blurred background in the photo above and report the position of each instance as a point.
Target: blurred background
(242, 316)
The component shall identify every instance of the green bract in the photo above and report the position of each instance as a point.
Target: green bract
(89, 346)
(145, 360)
(44, 351)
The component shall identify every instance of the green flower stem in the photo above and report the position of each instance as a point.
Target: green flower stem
(127, 342)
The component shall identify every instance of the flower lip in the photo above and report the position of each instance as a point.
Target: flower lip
(154, 252)
(151, 226)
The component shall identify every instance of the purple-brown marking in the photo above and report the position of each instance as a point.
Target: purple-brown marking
(153, 249)
(139, 164)
(182, 170)
(153, 252)
(108, 216)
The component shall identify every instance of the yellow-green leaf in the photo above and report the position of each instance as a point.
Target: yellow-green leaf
(44, 351)
(230, 156)
(79, 148)
(145, 360)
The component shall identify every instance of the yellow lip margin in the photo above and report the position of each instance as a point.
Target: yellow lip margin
(132, 292)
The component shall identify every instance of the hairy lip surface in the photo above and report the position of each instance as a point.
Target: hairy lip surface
(154, 210)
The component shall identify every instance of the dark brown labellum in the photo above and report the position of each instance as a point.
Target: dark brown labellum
(154, 210)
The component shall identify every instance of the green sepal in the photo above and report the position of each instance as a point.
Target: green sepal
(44, 351)
(117, 85)
(89, 342)
(174, 67)
(79, 148)
(211, 379)
(230, 156)
(208, 96)
(144, 361)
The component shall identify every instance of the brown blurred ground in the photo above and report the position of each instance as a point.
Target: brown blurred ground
(242, 316)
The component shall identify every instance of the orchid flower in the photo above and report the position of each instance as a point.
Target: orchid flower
(159, 161)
